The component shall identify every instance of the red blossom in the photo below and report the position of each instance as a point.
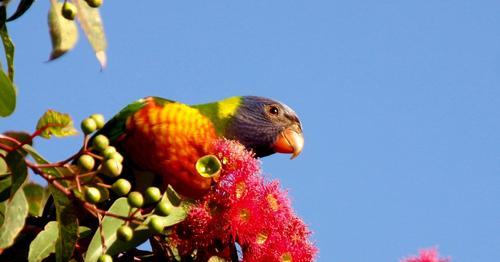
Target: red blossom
(426, 255)
(245, 208)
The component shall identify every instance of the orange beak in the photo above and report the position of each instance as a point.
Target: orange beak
(289, 141)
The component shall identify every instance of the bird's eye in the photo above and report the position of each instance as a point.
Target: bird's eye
(273, 110)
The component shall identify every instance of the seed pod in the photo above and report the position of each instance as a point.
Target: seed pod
(152, 195)
(125, 233)
(135, 199)
(92, 195)
(86, 162)
(99, 120)
(121, 187)
(88, 126)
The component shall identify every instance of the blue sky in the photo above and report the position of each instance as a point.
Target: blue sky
(400, 103)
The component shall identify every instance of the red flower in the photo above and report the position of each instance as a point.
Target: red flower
(426, 255)
(245, 208)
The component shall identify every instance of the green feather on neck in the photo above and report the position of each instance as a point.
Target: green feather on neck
(221, 112)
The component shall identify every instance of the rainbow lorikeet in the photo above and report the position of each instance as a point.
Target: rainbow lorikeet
(166, 138)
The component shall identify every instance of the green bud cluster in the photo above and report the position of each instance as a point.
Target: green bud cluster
(95, 121)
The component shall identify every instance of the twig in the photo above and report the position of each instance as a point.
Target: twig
(103, 243)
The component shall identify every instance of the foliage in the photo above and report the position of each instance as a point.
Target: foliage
(63, 33)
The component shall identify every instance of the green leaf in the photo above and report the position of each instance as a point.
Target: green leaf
(67, 219)
(23, 6)
(8, 97)
(84, 232)
(53, 171)
(55, 123)
(3, 207)
(5, 184)
(172, 196)
(20, 136)
(63, 32)
(45, 243)
(14, 214)
(37, 197)
(9, 51)
(19, 170)
(4, 171)
(3, 15)
(91, 23)
(141, 232)
(36, 156)
(109, 227)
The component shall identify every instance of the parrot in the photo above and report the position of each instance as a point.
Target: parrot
(166, 137)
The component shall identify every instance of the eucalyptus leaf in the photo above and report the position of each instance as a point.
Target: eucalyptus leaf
(55, 123)
(8, 46)
(53, 171)
(3, 207)
(3, 15)
(37, 197)
(14, 215)
(18, 169)
(109, 227)
(4, 171)
(5, 184)
(20, 136)
(67, 219)
(84, 232)
(8, 97)
(23, 6)
(91, 23)
(63, 32)
(45, 243)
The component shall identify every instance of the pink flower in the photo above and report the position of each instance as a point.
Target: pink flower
(244, 207)
(426, 255)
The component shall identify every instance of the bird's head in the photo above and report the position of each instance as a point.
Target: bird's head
(266, 126)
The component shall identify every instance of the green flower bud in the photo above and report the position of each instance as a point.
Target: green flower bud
(86, 162)
(121, 187)
(88, 126)
(152, 195)
(111, 168)
(100, 142)
(125, 233)
(135, 199)
(106, 153)
(105, 258)
(117, 156)
(164, 208)
(92, 195)
(156, 224)
(99, 120)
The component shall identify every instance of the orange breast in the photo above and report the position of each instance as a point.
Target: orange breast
(168, 140)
